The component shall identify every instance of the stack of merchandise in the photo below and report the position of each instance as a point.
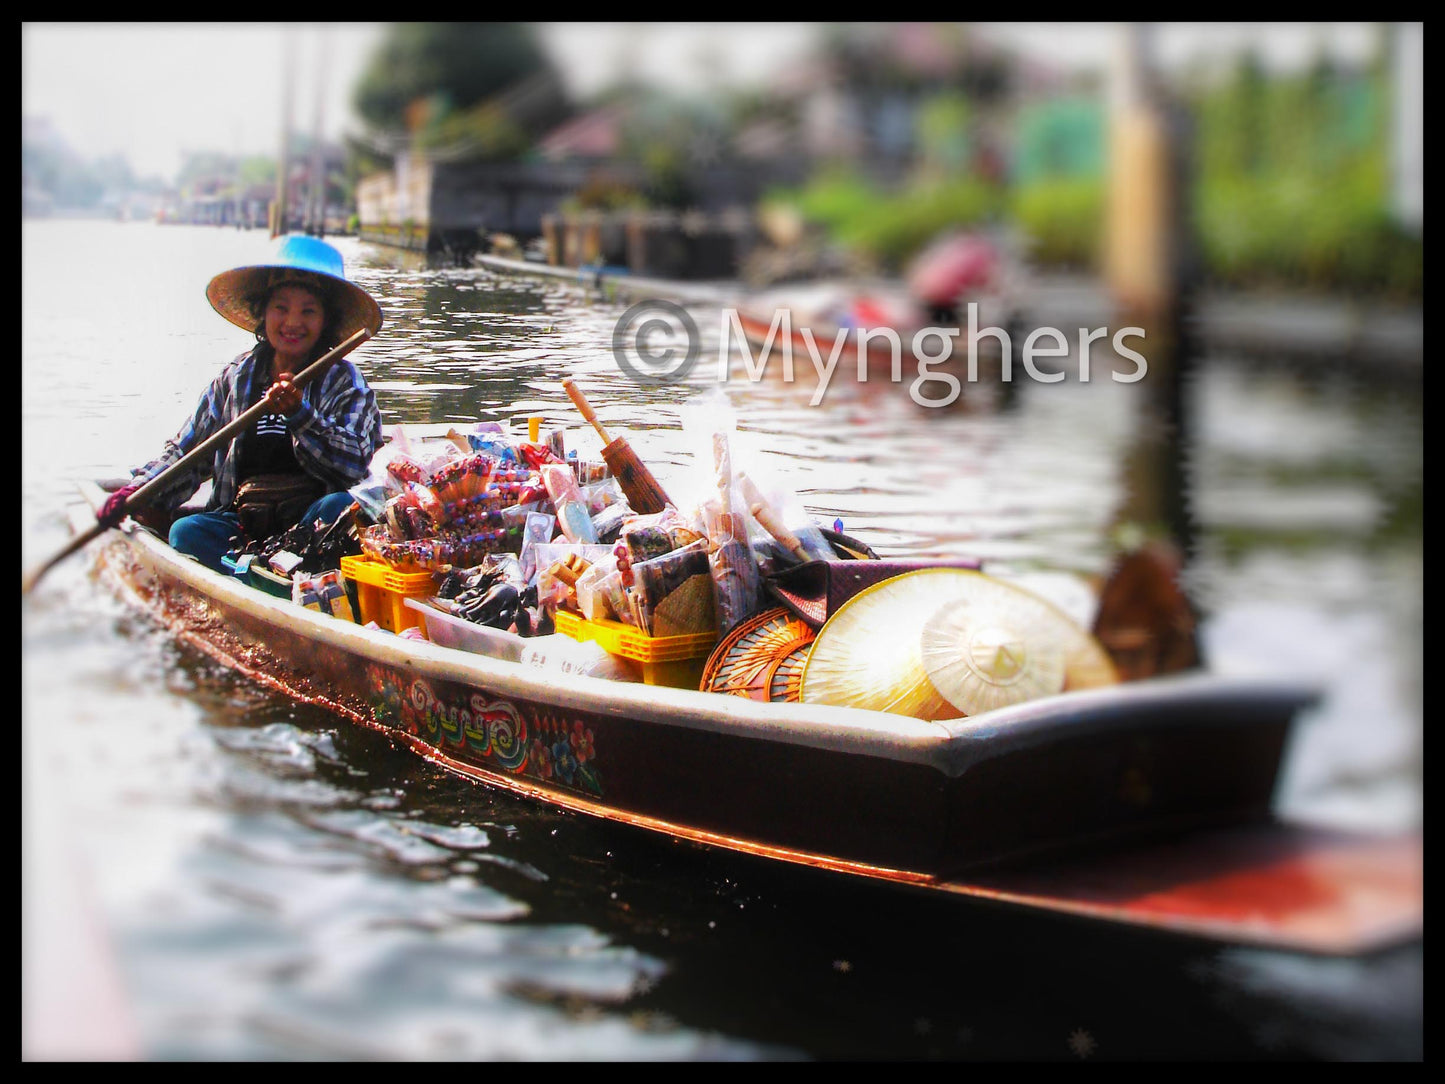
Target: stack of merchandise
(691, 568)
(517, 531)
(436, 507)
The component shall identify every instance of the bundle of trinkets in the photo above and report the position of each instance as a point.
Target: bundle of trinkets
(304, 548)
(518, 530)
(435, 508)
(523, 522)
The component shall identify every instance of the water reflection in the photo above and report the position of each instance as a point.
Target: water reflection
(278, 885)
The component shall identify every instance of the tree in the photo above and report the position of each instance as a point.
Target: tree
(448, 66)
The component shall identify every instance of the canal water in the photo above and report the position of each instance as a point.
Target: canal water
(212, 872)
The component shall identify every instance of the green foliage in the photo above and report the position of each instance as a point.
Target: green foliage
(1061, 217)
(835, 200)
(1293, 183)
(1305, 230)
(461, 64)
(362, 160)
(670, 138)
(603, 192)
(889, 227)
(667, 182)
(485, 131)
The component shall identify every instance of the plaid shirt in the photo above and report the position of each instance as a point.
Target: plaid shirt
(334, 433)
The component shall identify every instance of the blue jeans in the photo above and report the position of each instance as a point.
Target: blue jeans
(209, 536)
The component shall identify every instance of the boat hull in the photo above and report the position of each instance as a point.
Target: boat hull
(951, 806)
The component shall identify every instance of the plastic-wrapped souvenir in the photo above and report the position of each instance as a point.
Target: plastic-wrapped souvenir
(783, 517)
(463, 478)
(572, 515)
(537, 530)
(559, 565)
(609, 522)
(736, 579)
(674, 592)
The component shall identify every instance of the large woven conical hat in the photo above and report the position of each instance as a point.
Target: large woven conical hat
(308, 261)
(867, 654)
(941, 643)
(992, 646)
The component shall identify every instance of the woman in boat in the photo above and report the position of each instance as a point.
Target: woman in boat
(318, 442)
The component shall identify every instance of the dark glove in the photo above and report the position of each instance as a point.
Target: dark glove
(113, 510)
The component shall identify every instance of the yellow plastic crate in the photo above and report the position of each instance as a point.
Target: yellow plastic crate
(382, 591)
(676, 661)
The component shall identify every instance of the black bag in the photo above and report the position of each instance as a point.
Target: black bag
(268, 503)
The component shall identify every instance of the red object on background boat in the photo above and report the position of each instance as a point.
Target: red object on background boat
(950, 267)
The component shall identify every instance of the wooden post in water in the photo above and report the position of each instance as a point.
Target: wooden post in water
(1148, 264)
(318, 154)
(280, 216)
(1145, 618)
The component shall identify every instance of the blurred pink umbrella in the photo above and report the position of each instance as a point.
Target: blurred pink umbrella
(948, 267)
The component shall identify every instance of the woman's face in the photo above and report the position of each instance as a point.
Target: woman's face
(294, 322)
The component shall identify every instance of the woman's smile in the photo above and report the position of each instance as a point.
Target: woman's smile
(294, 322)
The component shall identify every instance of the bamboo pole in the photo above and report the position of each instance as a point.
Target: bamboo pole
(280, 217)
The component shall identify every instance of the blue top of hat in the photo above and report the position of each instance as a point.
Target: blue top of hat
(310, 254)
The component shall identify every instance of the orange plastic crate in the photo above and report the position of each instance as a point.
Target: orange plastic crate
(382, 591)
(677, 661)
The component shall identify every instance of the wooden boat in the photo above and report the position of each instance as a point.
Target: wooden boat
(818, 307)
(816, 322)
(1146, 804)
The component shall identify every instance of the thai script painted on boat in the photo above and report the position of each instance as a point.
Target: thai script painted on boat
(494, 731)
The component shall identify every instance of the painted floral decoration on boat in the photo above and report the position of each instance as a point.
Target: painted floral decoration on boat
(558, 753)
(491, 733)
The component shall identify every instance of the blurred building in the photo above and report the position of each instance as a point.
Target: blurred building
(929, 127)
(216, 196)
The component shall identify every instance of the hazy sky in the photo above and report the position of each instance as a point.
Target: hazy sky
(155, 90)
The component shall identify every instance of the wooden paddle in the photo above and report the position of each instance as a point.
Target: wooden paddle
(641, 489)
(149, 490)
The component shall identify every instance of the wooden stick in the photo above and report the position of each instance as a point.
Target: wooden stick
(768, 517)
(644, 493)
(148, 491)
(585, 408)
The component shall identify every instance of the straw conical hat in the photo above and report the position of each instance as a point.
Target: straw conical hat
(237, 294)
(992, 647)
(1011, 637)
(940, 643)
(868, 654)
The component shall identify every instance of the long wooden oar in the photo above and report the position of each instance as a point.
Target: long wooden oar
(149, 490)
